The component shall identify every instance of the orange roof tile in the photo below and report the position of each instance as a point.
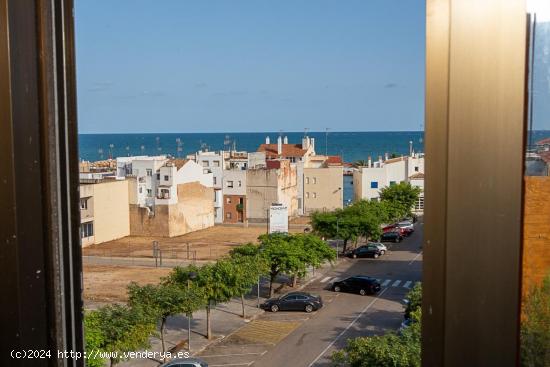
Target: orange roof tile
(289, 150)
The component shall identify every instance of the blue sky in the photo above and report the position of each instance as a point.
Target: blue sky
(254, 65)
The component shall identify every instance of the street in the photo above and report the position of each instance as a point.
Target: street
(302, 340)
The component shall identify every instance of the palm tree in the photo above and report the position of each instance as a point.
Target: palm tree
(360, 163)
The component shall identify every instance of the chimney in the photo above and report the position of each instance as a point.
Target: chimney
(369, 162)
(305, 142)
(279, 145)
(267, 139)
(285, 141)
(410, 148)
(312, 143)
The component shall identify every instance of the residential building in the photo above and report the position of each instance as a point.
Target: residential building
(276, 183)
(323, 182)
(234, 196)
(283, 150)
(183, 201)
(104, 210)
(213, 162)
(369, 180)
(145, 170)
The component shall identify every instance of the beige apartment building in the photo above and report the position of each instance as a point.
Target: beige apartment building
(323, 184)
(274, 184)
(103, 210)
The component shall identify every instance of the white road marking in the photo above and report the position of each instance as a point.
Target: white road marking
(386, 282)
(231, 364)
(233, 354)
(416, 257)
(347, 328)
(325, 279)
(407, 284)
(396, 283)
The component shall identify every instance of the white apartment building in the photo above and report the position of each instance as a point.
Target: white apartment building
(213, 162)
(145, 169)
(369, 180)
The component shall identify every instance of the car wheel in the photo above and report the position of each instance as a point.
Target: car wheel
(274, 308)
(363, 292)
(337, 288)
(376, 256)
(382, 252)
(309, 308)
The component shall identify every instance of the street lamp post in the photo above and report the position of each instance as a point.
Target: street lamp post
(337, 239)
(192, 276)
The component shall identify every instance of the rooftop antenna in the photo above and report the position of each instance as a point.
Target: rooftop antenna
(111, 146)
(128, 150)
(305, 131)
(142, 148)
(326, 141)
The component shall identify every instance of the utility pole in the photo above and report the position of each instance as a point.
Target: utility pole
(326, 141)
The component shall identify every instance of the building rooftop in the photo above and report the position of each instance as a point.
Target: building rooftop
(178, 163)
(417, 176)
(289, 150)
(543, 142)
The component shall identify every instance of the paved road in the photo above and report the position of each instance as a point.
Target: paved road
(299, 339)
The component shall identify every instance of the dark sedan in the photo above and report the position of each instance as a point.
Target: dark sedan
(391, 237)
(357, 284)
(294, 301)
(366, 251)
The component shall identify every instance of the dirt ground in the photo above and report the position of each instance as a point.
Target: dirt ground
(108, 283)
(206, 244)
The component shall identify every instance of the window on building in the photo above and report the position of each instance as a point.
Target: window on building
(166, 178)
(214, 180)
(419, 205)
(374, 184)
(315, 195)
(205, 164)
(149, 193)
(416, 169)
(307, 195)
(292, 159)
(229, 183)
(307, 180)
(228, 200)
(86, 229)
(158, 176)
(228, 215)
(83, 204)
(240, 183)
(216, 163)
(392, 183)
(314, 180)
(140, 190)
(149, 172)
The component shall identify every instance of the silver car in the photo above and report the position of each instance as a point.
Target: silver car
(185, 362)
(380, 246)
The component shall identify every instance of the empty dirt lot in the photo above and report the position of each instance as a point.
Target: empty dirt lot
(108, 283)
(207, 244)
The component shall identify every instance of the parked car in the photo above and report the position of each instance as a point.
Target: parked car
(391, 237)
(361, 284)
(389, 228)
(406, 225)
(185, 362)
(365, 251)
(380, 246)
(294, 301)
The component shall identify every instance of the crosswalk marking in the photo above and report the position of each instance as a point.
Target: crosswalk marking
(396, 283)
(386, 282)
(325, 279)
(407, 284)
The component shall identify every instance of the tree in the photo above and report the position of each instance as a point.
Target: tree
(413, 300)
(389, 350)
(343, 224)
(535, 326)
(93, 337)
(216, 282)
(360, 163)
(116, 329)
(403, 196)
(249, 265)
(292, 254)
(164, 300)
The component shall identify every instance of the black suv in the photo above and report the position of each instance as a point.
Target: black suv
(293, 301)
(365, 251)
(357, 284)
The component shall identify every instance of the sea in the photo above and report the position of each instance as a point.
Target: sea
(352, 146)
